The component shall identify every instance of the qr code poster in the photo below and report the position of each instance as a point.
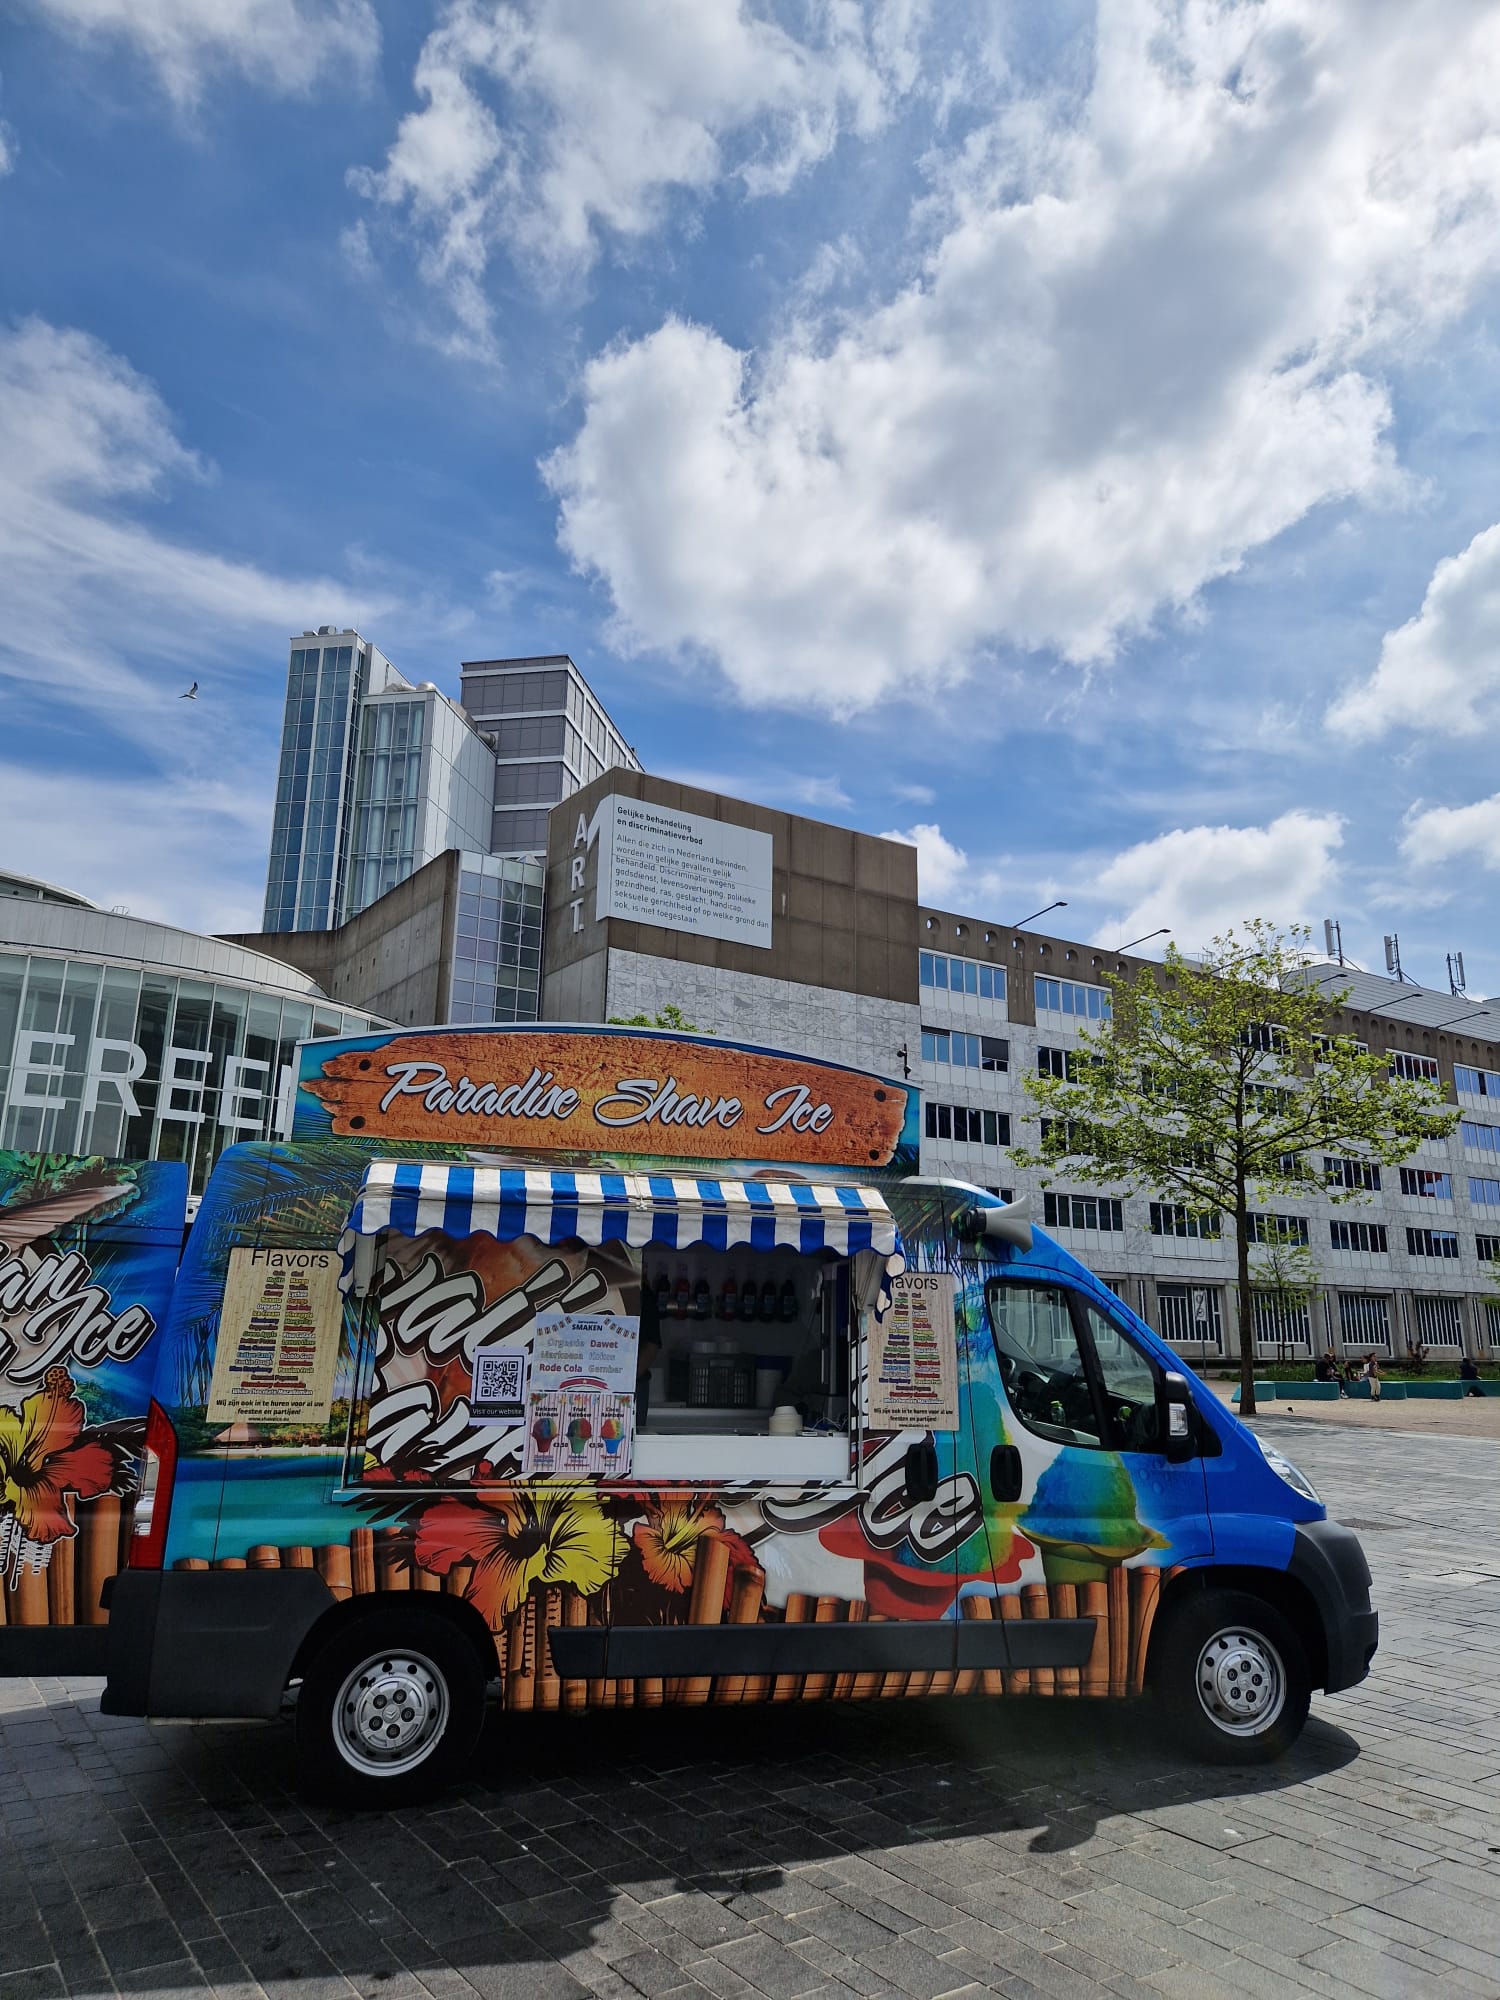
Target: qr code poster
(498, 1392)
(582, 1429)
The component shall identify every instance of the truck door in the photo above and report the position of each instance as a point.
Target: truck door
(1067, 1417)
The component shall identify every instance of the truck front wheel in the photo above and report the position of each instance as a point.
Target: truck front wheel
(1231, 1677)
(390, 1707)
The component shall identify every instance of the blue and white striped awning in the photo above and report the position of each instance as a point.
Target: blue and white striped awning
(558, 1207)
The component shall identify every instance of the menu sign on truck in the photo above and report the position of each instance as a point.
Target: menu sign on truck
(914, 1356)
(278, 1341)
(580, 1419)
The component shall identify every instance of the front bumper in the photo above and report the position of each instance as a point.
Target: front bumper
(1329, 1560)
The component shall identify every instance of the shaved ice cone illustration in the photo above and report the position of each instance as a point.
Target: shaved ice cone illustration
(544, 1433)
(611, 1431)
(1083, 1517)
(580, 1430)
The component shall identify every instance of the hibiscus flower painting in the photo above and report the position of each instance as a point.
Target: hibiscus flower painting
(46, 1467)
(516, 1539)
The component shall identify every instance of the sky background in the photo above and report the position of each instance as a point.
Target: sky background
(1062, 437)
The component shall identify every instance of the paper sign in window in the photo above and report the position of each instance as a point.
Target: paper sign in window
(278, 1339)
(913, 1372)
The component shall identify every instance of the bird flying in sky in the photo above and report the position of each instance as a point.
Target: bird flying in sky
(191, 695)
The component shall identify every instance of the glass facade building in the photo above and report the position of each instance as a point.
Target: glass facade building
(136, 1041)
(497, 946)
(422, 784)
(551, 736)
(309, 828)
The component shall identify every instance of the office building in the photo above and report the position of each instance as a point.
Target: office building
(767, 927)
(551, 735)
(376, 777)
(135, 1040)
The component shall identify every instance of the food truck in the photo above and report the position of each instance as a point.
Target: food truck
(590, 1368)
(88, 1251)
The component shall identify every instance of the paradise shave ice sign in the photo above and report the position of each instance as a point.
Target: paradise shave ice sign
(560, 1090)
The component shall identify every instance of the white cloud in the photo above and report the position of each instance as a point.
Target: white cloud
(284, 45)
(7, 149)
(87, 587)
(1201, 880)
(1440, 671)
(941, 867)
(549, 125)
(163, 849)
(1453, 833)
(1145, 339)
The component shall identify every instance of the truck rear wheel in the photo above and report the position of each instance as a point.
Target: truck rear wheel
(391, 1706)
(1230, 1675)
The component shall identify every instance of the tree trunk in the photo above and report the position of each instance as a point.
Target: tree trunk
(1246, 1309)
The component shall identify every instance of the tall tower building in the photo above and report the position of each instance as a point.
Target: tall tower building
(551, 736)
(377, 777)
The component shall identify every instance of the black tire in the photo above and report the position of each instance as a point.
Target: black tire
(1230, 1677)
(410, 1676)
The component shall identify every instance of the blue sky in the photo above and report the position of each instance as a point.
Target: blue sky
(1072, 449)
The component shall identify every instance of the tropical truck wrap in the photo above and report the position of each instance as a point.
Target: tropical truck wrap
(88, 1249)
(601, 1368)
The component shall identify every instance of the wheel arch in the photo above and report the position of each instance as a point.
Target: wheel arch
(456, 1612)
(1286, 1593)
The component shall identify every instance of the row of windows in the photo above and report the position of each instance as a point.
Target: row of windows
(529, 784)
(961, 975)
(1277, 1229)
(1346, 1173)
(1068, 996)
(1083, 1211)
(523, 832)
(1485, 1192)
(964, 1051)
(1427, 1183)
(513, 694)
(1415, 1069)
(1171, 1218)
(1175, 1219)
(1484, 1138)
(1056, 1062)
(963, 1123)
(1476, 1082)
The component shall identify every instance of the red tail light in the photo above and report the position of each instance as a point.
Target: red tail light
(153, 1505)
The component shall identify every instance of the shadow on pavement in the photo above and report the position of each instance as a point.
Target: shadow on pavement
(712, 1818)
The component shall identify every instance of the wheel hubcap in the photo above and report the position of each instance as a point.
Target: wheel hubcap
(391, 1712)
(1241, 1682)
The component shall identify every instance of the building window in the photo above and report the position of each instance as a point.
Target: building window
(1365, 1319)
(1476, 1082)
(1290, 1229)
(1266, 1037)
(1068, 996)
(965, 1051)
(1427, 1183)
(1056, 1062)
(1171, 1218)
(1191, 1315)
(1006, 1194)
(1327, 1043)
(1432, 1242)
(1347, 1173)
(1484, 1193)
(1279, 1324)
(965, 1125)
(1487, 1249)
(1369, 1237)
(1082, 1211)
(1415, 1069)
(961, 975)
(1439, 1321)
(1483, 1138)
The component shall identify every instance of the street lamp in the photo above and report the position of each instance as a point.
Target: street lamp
(1165, 931)
(1060, 904)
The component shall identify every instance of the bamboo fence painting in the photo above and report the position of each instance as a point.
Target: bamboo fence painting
(64, 1590)
(1123, 1609)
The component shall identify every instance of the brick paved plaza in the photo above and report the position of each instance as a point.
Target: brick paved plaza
(920, 1851)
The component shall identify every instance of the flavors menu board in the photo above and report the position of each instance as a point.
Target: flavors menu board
(914, 1356)
(278, 1338)
(580, 1419)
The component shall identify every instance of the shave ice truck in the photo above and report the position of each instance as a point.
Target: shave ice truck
(585, 1368)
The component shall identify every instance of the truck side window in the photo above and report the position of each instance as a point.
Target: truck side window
(1129, 1385)
(1041, 1363)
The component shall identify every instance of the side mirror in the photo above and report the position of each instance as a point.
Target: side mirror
(1180, 1430)
(922, 1471)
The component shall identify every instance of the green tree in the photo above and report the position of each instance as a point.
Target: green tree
(1284, 1276)
(1213, 1080)
(669, 1017)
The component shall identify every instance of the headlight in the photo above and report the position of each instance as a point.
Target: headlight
(1283, 1467)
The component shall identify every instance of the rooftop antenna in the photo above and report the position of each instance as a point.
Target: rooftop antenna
(1333, 938)
(1456, 980)
(1393, 956)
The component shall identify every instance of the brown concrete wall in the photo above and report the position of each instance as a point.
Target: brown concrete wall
(393, 958)
(844, 904)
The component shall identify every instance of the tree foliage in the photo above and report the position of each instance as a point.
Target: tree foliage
(1215, 1080)
(669, 1017)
